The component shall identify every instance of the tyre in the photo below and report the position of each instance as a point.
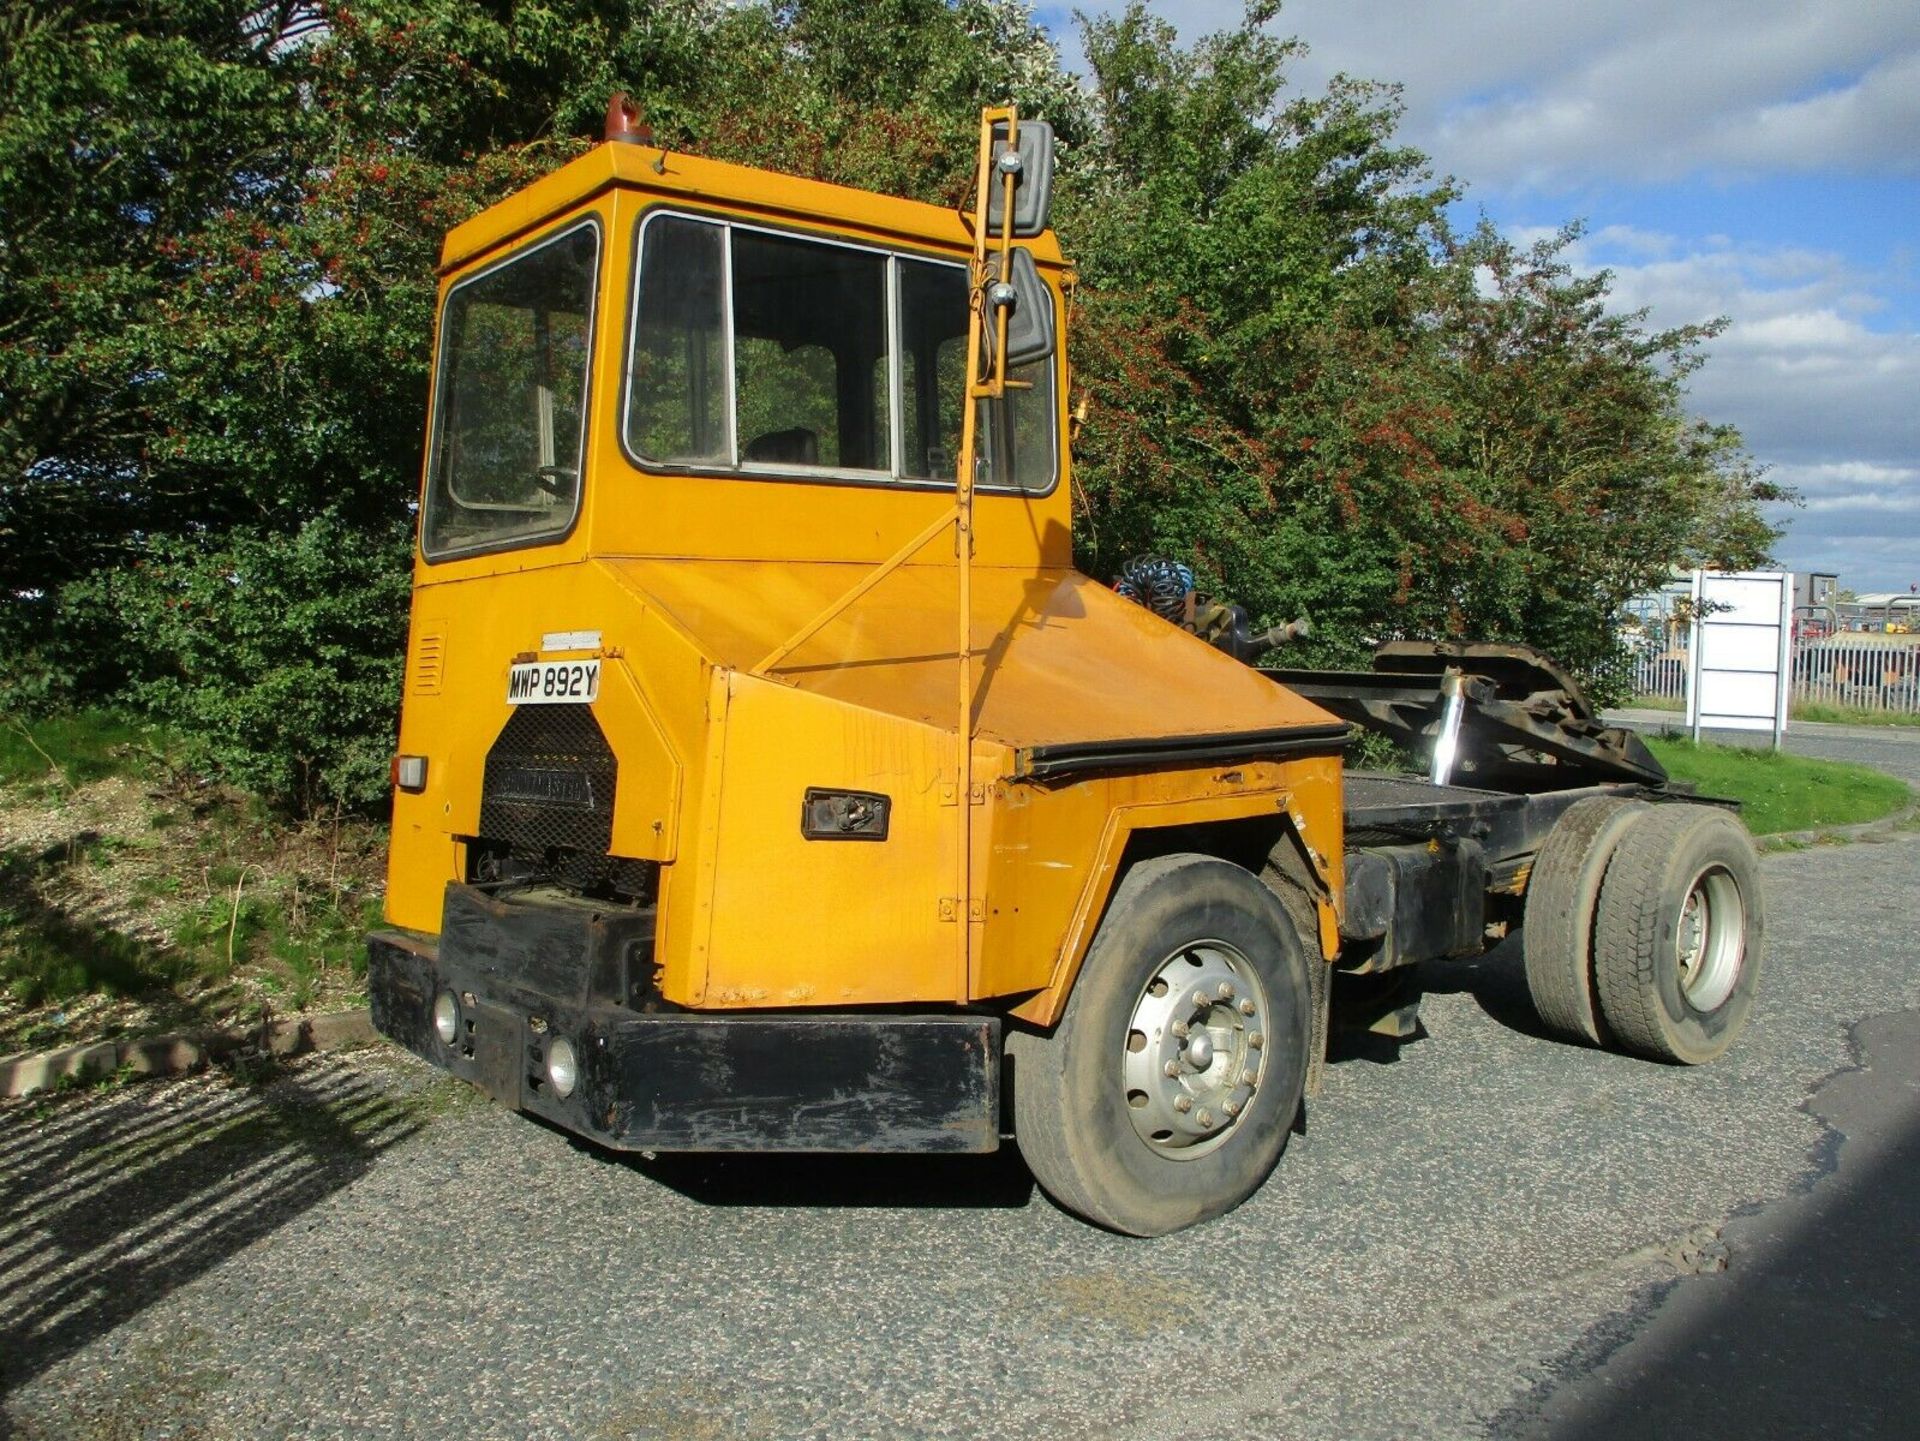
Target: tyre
(1166, 1093)
(1556, 934)
(1678, 938)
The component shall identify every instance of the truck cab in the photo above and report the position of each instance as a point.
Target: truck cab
(768, 776)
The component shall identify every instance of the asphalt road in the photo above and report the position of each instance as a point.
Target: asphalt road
(1481, 1233)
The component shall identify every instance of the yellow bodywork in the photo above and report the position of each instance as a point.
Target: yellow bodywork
(692, 582)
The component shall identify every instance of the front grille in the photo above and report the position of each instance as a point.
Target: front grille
(549, 784)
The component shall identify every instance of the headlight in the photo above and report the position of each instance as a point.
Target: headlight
(563, 1067)
(446, 1016)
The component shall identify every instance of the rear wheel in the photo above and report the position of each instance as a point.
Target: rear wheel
(1563, 892)
(1677, 941)
(1166, 1093)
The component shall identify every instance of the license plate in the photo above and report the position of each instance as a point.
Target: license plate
(553, 682)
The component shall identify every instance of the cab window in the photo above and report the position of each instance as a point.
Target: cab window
(760, 351)
(510, 424)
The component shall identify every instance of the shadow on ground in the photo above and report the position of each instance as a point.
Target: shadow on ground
(51, 955)
(1497, 981)
(1000, 1180)
(1814, 1327)
(108, 1204)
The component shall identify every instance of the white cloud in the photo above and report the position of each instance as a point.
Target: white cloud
(1828, 403)
(1797, 369)
(1550, 93)
(1553, 93)
(1561, 95)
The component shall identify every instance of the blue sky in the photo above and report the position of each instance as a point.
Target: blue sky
(1752, 159)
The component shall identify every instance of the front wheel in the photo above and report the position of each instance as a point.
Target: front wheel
(1166, 1093)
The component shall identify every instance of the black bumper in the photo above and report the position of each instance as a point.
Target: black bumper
(676, 1081)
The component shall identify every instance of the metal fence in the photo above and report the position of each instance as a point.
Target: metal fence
(1839, 670)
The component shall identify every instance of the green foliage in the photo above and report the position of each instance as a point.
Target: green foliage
(275, 655)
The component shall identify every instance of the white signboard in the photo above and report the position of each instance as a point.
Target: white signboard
(1737, 660)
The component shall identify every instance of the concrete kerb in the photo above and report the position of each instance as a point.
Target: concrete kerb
(176, 1055)
(1884, 829)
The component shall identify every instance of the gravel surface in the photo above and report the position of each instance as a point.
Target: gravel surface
(1471, 1224)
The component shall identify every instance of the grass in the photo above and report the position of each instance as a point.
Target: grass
(71, 750)
(135, 897)
(1823, 713)
(1780, 792)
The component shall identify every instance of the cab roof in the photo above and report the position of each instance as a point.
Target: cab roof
(675, 175)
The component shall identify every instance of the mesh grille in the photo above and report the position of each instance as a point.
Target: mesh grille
(549, 782)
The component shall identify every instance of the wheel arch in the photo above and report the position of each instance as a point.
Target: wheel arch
(1269, 834)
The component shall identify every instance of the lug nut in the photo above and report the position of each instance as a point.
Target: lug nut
(1172, 1068)
(1226, 991)
(1205, 1118)
(1249, 1078)
(1246, 1006)
(1232, 1108)
(1179, 1028)
(1183, 1104)
(1256, 1040)
(1200, 1000)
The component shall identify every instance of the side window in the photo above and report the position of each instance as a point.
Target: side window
(1016, 445)
(756, 350)
(510, 430)
(1017, 449)
(933, 381)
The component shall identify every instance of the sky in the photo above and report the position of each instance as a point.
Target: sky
(1757, 160)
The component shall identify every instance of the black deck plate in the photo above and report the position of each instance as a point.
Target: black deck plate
(1370, 793)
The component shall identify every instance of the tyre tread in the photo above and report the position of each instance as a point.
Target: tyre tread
(1557, 943)
(1628, 930)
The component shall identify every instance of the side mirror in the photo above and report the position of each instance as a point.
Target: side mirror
(1029, 304)
(1032, 167)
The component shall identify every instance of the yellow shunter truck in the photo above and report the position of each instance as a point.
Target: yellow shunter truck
(769, 779)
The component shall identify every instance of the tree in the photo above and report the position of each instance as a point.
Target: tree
(219, 225)
(1306, 383)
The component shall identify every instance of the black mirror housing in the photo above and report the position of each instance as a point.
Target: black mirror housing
(1032, 165)
(1030, 328)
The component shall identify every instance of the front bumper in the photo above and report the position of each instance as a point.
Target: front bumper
(678, 1081)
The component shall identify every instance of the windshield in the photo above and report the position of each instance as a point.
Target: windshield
(515, 342)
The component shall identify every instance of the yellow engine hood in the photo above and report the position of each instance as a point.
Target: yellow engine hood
(1058, 658)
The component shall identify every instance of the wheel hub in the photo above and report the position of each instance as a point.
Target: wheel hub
(1194, 1049)
(1710, 939)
